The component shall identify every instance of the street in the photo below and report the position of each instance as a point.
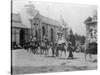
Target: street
(24, 62)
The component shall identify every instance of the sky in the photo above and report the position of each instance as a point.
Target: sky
(73, 14)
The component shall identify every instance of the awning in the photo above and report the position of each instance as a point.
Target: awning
(19, 25)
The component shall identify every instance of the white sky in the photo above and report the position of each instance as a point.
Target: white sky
(73, 14)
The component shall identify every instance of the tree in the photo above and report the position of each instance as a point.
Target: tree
(71, 32)
(72, 38)
(82, 39)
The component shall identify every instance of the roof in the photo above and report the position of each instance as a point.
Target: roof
(48, 20)
(18, 25)
(16, 21)
(16, 17)
(90, 20)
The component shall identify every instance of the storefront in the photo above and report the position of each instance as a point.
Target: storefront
(19, 32)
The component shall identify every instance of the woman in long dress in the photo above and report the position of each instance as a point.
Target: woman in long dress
(70, 56)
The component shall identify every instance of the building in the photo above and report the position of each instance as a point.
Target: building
(20, 33)
(91, 29)
(44, 27)
(41, 27)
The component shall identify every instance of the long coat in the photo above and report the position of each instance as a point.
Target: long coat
(72, 39)
(91, 48)
(70, 51)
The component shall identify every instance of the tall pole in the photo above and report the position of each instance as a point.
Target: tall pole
(31, 29)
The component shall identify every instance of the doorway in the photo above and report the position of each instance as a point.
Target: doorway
(22, 36)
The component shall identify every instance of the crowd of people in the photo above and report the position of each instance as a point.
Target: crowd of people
(57, 48)
(43, 46)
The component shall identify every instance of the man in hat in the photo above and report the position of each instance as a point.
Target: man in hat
(70, 56)
(72, 43)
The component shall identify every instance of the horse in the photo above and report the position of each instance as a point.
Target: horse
(91, 49)
(34, 46)
(27, 46)
(44, 47)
